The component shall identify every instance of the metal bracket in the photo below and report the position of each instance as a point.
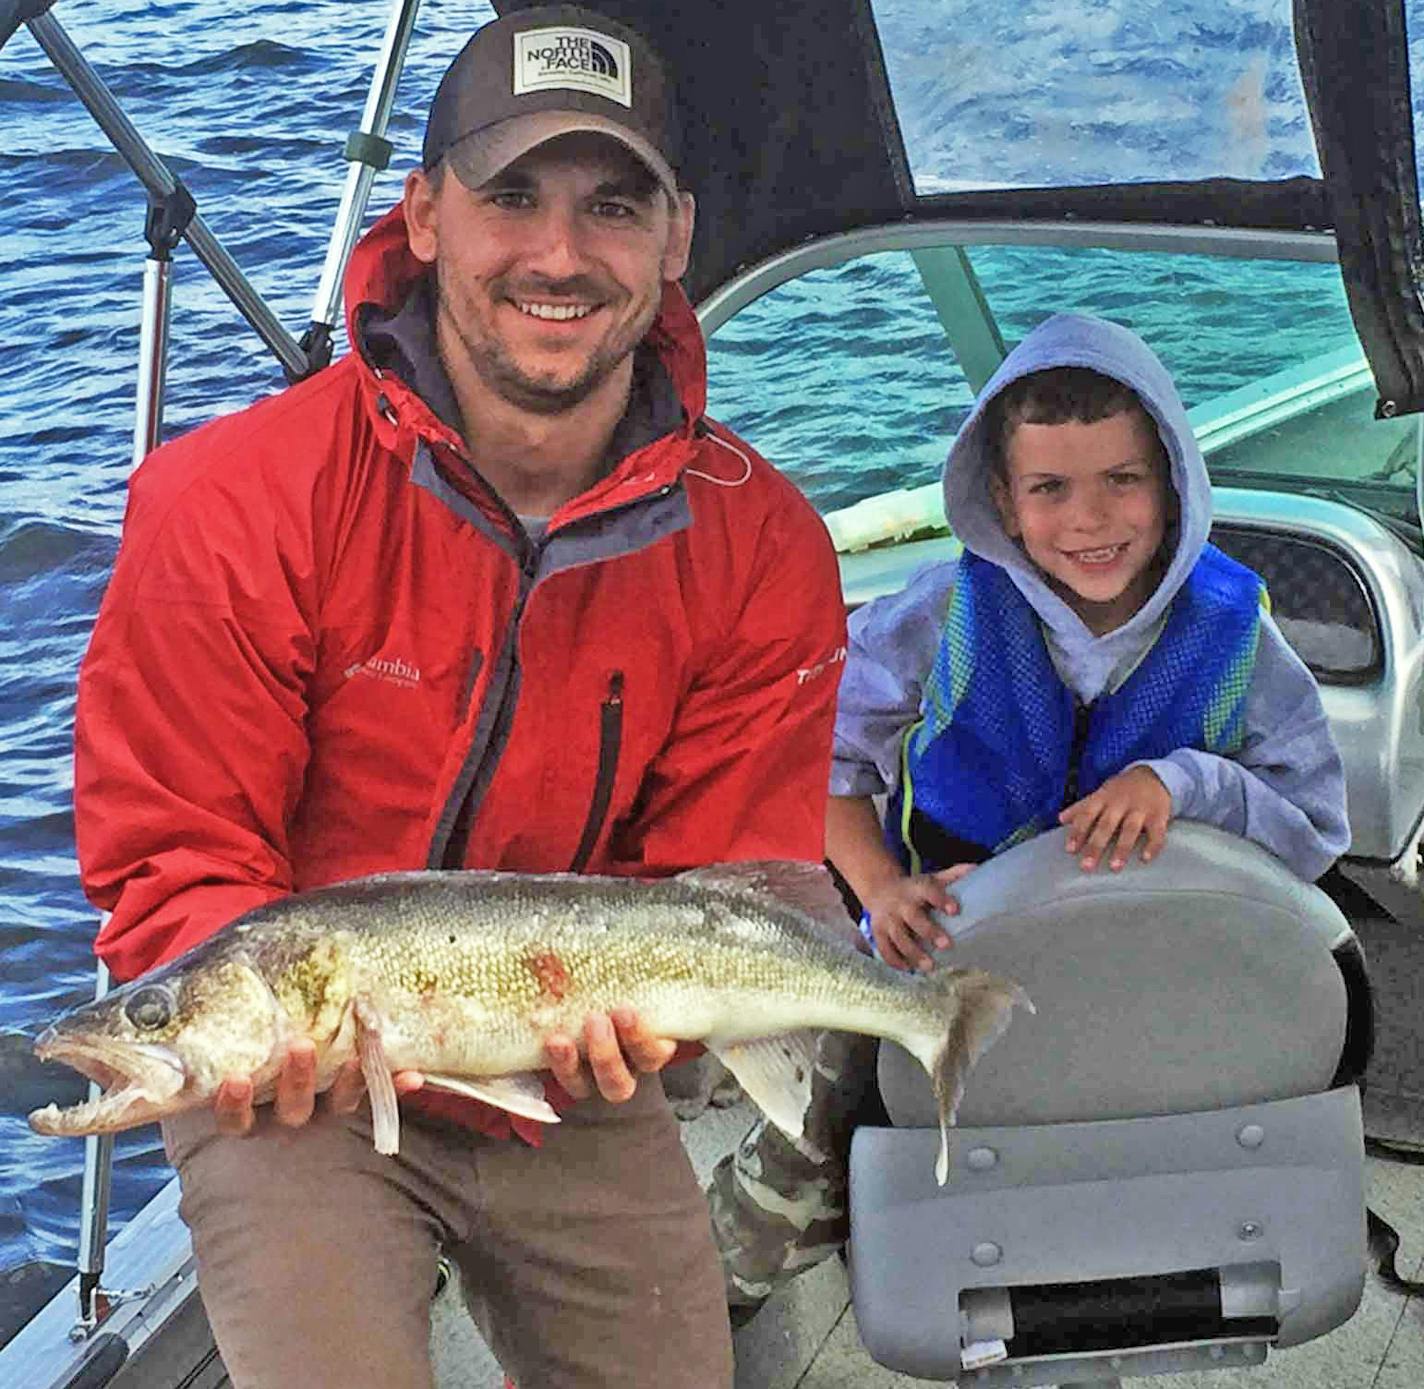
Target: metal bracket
(101, 1302)
(168, 217)
(14, 13)
(316, 342)
(365, 148)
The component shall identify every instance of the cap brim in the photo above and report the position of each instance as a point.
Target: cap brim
(480, 156)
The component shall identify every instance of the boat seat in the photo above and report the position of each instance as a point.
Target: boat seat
(1162, 1169)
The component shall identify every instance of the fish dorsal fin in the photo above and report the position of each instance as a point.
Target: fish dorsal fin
(521, 1094)
(808, 887)
(385, 1113)
(776, 1072)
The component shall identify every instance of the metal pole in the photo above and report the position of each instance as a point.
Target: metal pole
(369, 152)
(94, 1202)
(164, 226)
(152, 356)
(155, 176)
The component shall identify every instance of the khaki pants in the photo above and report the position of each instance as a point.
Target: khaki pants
(587, 1263)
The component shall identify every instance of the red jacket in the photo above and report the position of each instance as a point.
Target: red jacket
(326, 651)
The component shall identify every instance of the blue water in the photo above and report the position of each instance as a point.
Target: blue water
(844, 379)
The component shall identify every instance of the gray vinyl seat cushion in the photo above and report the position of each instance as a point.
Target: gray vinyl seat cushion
(1204, 980)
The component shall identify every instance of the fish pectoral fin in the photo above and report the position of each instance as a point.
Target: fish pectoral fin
(385, 1113)
(521, 1094)
(776, 1072)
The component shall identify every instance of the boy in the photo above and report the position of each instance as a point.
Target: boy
(1090, 660)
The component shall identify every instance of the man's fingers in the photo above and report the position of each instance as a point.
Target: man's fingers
(296, 1085)
(232, 1109)
(606, 1060)
(647, 1052)
(562, 1054)
(347, 1089)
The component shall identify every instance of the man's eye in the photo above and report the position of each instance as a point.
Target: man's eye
(614, 211)
(511, 200)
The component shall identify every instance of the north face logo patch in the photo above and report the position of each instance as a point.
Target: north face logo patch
(573, 59)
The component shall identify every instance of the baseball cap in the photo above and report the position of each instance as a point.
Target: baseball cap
(543, 72)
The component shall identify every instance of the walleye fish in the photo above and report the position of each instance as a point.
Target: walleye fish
(462, 975)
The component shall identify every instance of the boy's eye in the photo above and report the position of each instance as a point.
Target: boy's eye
(1126, 477)
(1046, 487)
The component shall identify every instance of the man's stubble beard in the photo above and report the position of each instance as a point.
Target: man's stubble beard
(505, 378)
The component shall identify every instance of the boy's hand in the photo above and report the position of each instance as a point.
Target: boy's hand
(1130, 805)
(901, 917)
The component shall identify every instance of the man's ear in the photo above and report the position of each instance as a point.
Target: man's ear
(421, 192)
(1004, 505)
(679, 246)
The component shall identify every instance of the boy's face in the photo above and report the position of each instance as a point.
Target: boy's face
(1088, 502)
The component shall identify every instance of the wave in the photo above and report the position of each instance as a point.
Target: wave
(31, 548)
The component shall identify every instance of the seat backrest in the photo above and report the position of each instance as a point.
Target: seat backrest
(1203, 980)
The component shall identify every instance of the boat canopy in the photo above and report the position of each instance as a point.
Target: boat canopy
(806, 118)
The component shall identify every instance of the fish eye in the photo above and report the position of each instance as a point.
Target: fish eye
(149, 1009)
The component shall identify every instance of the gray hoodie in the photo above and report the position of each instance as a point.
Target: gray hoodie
(1285, 789)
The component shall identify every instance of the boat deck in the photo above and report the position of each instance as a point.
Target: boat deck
(806, 1338)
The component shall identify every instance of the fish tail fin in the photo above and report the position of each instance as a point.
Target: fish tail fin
(976, 1008)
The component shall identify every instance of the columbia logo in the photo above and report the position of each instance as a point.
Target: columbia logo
(391, 669)
(576, 59)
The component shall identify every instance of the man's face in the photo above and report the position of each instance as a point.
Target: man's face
(549, 275)
(1088, 502)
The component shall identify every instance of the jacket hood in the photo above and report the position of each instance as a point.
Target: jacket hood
(1073, 340)
(383, 271)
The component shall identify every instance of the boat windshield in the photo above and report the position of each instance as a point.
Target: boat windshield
(855, 378)
(1038, 94)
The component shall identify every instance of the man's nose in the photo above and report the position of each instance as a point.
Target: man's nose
(555, 246)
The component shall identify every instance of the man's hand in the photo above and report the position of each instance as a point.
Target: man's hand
(901, 917)
(295, 1100)
(617, 1045)
(1130, 805)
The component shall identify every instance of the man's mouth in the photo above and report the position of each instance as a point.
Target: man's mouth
(552, 313)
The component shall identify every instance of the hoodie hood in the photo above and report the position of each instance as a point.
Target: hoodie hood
(1088, 663)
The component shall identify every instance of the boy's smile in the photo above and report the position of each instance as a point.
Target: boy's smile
(1088, 502)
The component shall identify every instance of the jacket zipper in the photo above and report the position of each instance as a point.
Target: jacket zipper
(451, 853)
(1082, 715)
(610, 739)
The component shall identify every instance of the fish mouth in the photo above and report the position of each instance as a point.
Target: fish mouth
(139, 1083)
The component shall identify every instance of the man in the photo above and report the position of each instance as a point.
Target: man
(489, 592)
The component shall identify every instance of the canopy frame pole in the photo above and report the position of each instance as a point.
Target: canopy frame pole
(168, 217)
(369, 153)
(161, 183)
(94, 1205)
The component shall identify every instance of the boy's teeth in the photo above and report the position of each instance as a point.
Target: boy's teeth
(1096, 556)
(555, 311)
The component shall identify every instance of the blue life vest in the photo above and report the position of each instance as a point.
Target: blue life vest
(1003, 744)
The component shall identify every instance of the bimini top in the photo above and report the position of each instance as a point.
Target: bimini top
(804, 118)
